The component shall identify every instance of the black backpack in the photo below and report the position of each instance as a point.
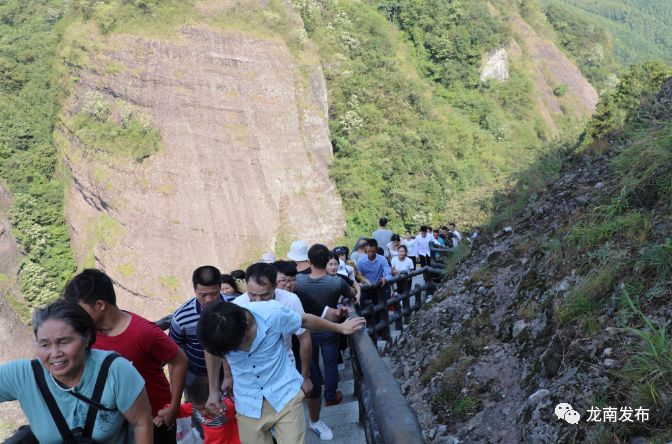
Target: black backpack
(77, 435)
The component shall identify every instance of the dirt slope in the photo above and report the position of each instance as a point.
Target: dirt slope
(243, 165)
(550, 69)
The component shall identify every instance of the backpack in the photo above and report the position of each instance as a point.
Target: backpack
(76, 435)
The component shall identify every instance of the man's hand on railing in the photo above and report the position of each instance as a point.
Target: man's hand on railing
(351, 325)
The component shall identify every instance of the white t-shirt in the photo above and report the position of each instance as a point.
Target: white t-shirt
(288, 299)
(393, 253)
(422, 244)
(401, 266)
(410, 246)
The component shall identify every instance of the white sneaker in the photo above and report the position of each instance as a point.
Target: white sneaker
(322, 430)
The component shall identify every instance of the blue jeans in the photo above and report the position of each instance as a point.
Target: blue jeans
(327, 343)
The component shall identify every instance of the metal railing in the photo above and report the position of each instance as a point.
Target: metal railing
(383, 410)
(377, 299)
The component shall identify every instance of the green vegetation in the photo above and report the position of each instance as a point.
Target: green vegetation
(416, 136)
(589, 45)
(617, 105)
(28, 105)
(116, 129)
(639, 30)
(446, 357)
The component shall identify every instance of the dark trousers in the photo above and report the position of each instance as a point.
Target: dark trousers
(165, 435)
(327, 344)
(412, 258)
(424, 260)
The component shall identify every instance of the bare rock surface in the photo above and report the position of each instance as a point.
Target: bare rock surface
(495, 65)
(243, 166)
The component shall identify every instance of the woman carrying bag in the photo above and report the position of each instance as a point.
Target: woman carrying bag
(72, 394)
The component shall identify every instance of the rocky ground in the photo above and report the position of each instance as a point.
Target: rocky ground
(489, 358)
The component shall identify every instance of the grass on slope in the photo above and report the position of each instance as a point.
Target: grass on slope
(640, 28)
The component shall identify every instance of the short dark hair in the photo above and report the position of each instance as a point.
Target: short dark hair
(445, 228)
(423, 228)
(435, 231)
(372, 243)
(288, 268)
(404, 247)
(228, 279)
(257, 272)
(395, 237)
(318, 255)
(70, 313)
(207, 276)
(90, 286)
(342, 250)
(382, 221)
(238, 274)
(198, 390)
(452, 224)
(222, 327)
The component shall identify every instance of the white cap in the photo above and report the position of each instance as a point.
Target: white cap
(298, 251)
(268, 258)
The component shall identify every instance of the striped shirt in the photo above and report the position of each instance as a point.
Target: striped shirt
(183, 328)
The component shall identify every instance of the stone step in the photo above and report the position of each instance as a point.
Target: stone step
(343, 434)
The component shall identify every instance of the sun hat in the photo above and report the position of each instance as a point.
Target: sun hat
(298, 251)
(268, 258)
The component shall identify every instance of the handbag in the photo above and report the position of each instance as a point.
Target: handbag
(76, 435)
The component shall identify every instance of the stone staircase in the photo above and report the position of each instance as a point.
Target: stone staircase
(343, 419)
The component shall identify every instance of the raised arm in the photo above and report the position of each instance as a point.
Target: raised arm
(348, 327)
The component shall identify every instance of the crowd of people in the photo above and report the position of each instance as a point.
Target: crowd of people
(242, 353)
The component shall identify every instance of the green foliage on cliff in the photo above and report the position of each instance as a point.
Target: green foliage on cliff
(450, 38)
(639, 29)
(28, 105)
(416, 136)
(617, 105)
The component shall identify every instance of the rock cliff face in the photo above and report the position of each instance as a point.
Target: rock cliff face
(242, 168)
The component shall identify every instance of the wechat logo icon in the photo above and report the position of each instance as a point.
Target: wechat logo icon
(566, 412)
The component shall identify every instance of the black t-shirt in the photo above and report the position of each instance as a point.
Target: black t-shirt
(306, 271)
(325, 290)
(310, 306)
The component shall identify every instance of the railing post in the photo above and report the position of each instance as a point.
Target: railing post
(405, 305)
(381, 290)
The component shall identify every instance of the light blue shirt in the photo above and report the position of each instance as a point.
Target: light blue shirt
(374, 270)
(266, 370)
(122, 387)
